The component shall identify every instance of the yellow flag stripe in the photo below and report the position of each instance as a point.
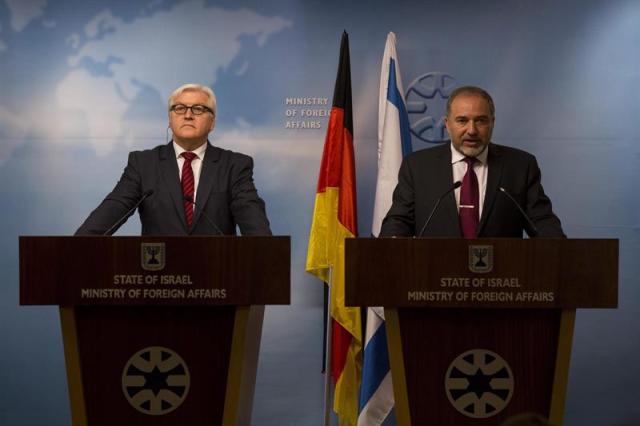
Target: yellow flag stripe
(326, 250)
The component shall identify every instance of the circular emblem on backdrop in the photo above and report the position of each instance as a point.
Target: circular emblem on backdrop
(155, 380)
(426, 105)
(479, 383)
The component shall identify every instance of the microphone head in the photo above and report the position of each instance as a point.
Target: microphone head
(457, 184)
(188, 198)
(502, 189)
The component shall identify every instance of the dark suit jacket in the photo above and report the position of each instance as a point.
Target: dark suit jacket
(427, 174)
(225, 191)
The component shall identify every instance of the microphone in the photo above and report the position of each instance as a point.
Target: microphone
(120, 221)
(190, 199)
(456, 185)
(513, 200)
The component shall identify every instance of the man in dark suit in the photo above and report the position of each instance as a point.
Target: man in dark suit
(195, 188)
(479, 207)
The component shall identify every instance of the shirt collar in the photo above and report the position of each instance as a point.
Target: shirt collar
(457, 156)
(199, 151)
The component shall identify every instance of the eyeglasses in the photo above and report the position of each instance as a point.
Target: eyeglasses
(196, 109)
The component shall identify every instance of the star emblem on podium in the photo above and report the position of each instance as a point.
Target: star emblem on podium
(155, 380)
(479, 383)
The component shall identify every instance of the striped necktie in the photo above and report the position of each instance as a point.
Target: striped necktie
(188, 186)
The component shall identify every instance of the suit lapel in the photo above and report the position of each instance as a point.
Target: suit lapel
(205, 183)
(494, 170)
(445, 180)
(170, 174)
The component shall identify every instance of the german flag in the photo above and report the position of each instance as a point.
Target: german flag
(334, 219)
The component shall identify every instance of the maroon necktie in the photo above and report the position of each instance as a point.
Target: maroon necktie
(188, 186)
(469, 201)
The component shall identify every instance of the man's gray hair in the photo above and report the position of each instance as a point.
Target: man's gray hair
(211, 97)
(471, 90)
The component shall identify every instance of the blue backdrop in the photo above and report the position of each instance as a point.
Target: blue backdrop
(83, 83)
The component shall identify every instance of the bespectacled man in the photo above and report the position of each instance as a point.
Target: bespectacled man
(188, 186)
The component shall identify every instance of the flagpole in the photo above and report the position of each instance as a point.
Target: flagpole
(327, 355)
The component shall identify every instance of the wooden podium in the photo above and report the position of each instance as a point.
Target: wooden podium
(158, 330)
(480, 330)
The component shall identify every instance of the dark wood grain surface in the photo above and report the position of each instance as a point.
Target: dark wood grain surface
(579, 273)
(251, 270)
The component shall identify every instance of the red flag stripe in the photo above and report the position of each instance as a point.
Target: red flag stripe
(337, 169)
(340, 341)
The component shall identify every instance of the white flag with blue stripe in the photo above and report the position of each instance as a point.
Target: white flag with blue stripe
(394, 142)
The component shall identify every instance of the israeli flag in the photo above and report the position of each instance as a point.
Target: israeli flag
(394, 142)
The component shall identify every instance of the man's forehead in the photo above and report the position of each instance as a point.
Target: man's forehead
(192, 94)
(470, 104)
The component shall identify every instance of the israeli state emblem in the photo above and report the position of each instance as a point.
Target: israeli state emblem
(480, 259)
(155, 381)
(152, 256)
(479, 383)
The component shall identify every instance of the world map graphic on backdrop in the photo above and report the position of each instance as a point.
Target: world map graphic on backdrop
(104, 77)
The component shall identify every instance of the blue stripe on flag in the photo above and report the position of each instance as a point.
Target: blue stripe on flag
(376, 365)
(376, 393)
(394, 96)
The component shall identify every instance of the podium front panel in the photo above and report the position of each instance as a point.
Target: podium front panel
(141, 365)
(514, 362)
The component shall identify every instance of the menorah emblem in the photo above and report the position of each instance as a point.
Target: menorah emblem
(480, 259)
(152, 256)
